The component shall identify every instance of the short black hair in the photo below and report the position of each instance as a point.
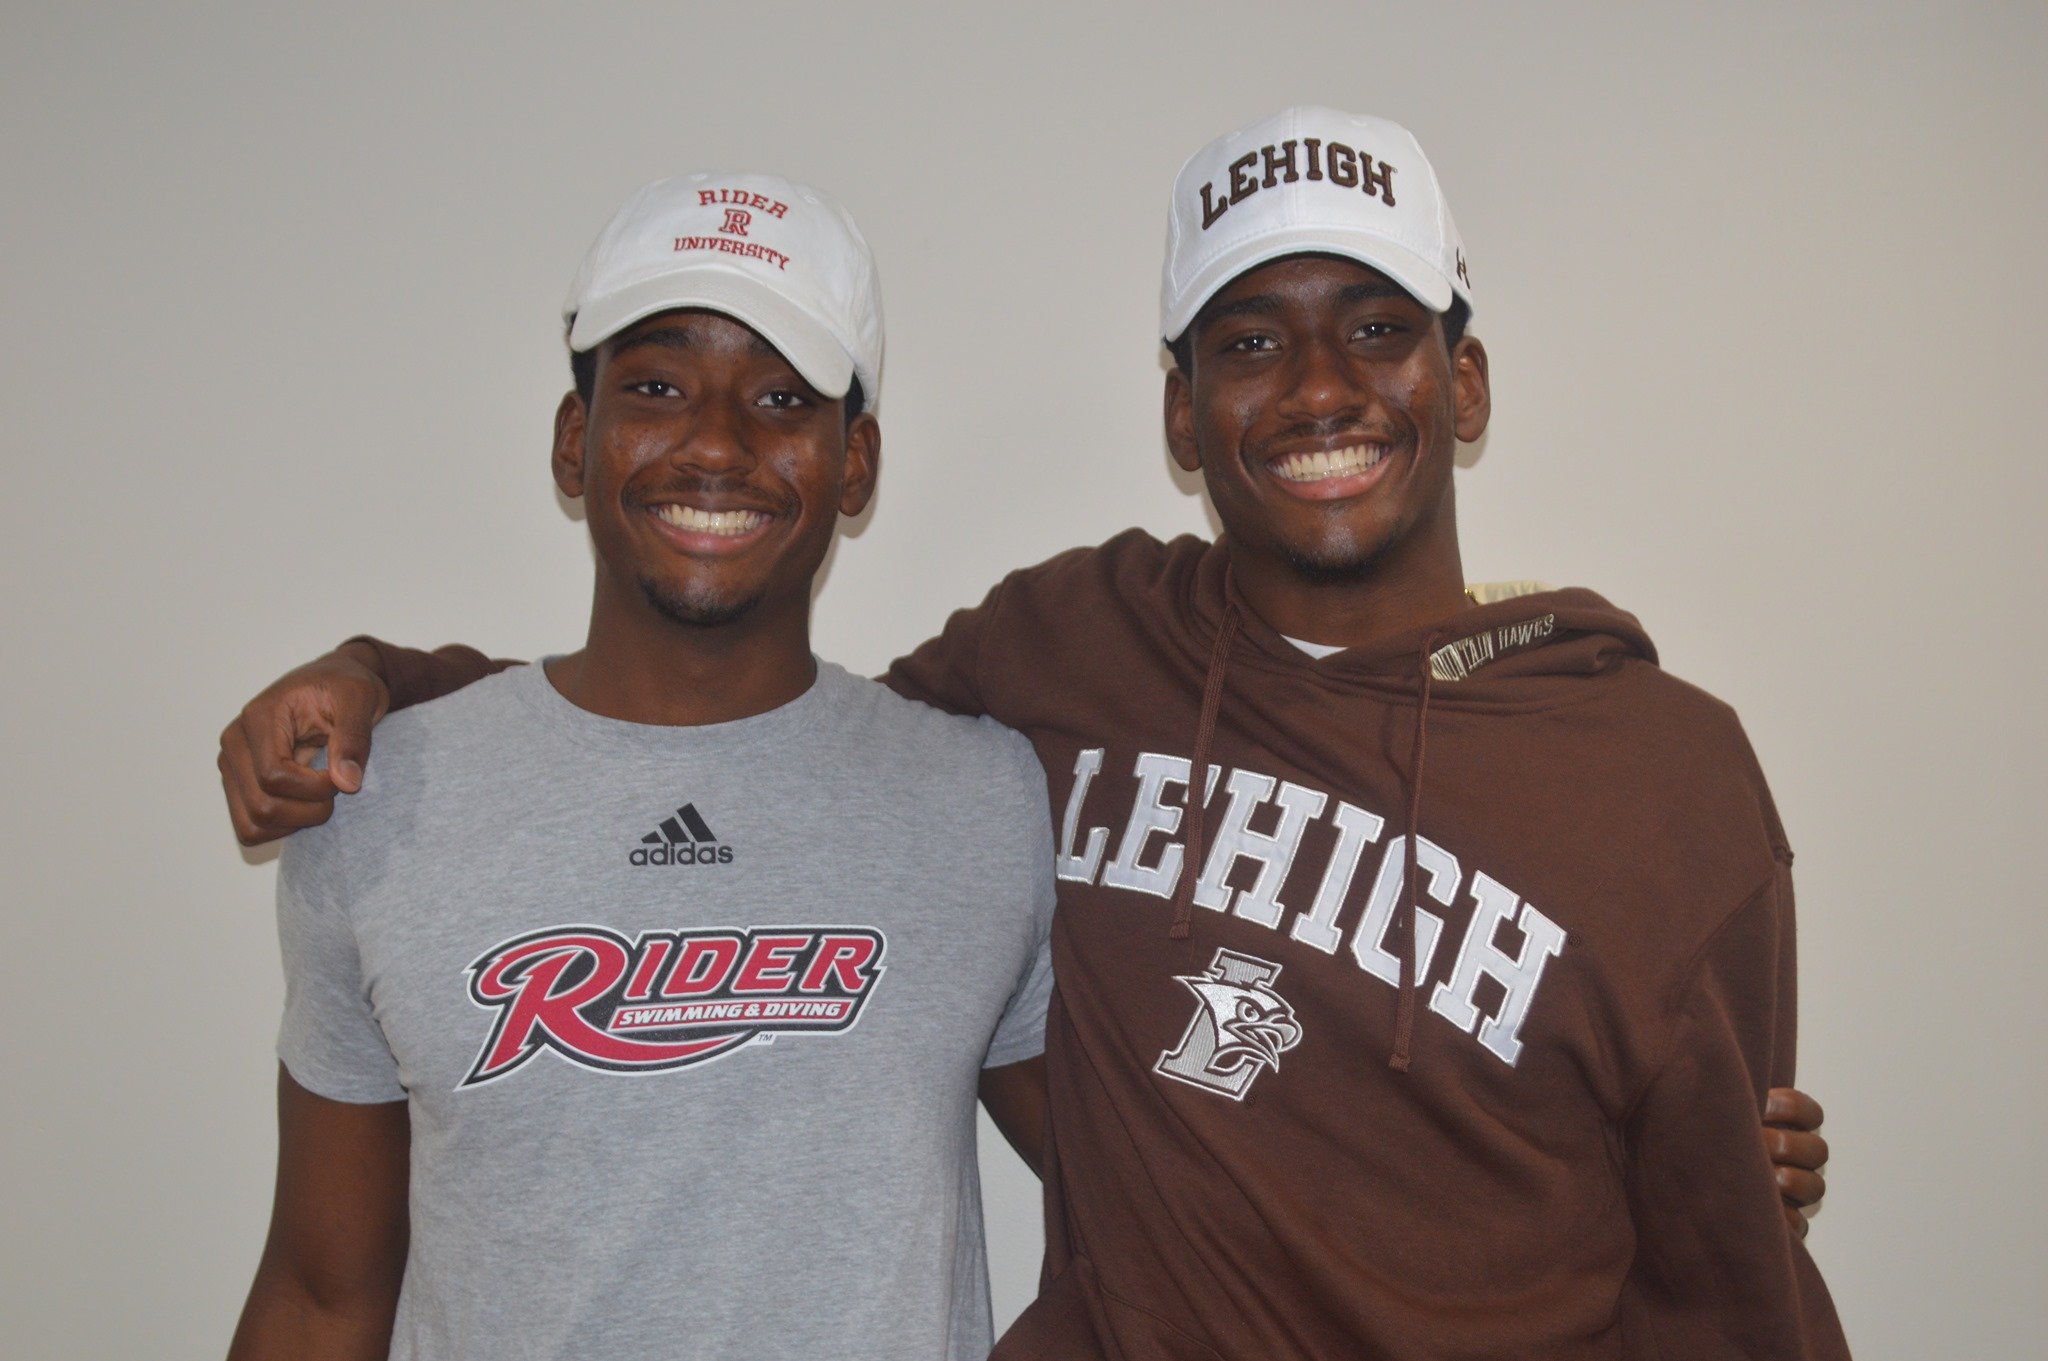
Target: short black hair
(583, 368)
(1455, 319)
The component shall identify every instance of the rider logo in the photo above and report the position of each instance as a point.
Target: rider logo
(737, 220)
(682, 839)
(666, 999)
(1240, 1027)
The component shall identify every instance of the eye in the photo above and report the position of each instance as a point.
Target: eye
(654, 387)
(1255, 342)
(782, 399)
(1378, 330)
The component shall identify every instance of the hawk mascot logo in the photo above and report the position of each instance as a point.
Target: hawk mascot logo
(1239, 1031)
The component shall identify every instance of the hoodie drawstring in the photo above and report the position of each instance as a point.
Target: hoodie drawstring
(1198, 775)
(1403, 933)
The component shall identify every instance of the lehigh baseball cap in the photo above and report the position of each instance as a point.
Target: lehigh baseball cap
(1309, 180)
(779, 256)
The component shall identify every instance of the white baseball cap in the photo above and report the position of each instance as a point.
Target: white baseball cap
(779, 256)
(1309, 180)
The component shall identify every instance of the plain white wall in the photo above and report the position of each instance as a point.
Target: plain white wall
(1764, 294)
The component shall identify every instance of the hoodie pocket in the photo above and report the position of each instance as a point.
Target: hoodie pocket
(1075, 1319)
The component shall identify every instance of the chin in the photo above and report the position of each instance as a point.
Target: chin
(1338, 560)
(695, 607)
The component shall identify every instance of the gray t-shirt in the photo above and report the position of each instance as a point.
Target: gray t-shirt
(689, 1020)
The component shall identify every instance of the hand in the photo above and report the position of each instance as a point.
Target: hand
(1798, 1153)
(331, 702)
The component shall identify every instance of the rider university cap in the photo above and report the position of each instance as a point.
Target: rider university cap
(1309, 180)
(779, 256)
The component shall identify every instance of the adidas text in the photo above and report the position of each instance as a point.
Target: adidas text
(688, 853)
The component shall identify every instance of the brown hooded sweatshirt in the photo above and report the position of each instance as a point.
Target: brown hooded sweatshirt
(1270, 1139)
(1544, 1145)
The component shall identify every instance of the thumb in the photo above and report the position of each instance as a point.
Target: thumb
(348, 740)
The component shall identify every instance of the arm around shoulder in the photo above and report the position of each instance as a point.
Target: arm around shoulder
(331, 702)
(414, 677)
(945, 671)
(963, 670)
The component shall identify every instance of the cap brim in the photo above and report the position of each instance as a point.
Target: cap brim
(1422, 280)
(798, 337)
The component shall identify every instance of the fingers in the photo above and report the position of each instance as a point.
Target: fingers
(1792, 1107)
(259, 815)
(270, 792)
(1800, 1188)
(1796, 1148)
(332, 702)
(1797, 1157)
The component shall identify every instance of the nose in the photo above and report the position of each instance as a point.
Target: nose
(718, 439)
(1322, 387)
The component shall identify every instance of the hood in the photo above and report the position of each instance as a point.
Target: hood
(1524, 648)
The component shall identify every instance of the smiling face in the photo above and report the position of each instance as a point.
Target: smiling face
(712, 474)
(1323, 410)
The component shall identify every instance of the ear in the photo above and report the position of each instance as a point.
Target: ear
(570, 419)
(863, 464)
(1471, 389)
(1180, 420)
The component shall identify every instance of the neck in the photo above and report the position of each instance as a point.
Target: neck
(640, 666)
(1413, 584)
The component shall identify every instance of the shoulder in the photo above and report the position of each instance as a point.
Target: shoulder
(484, 705)
(920, 736)
(1062, 612)
(414, 750)
(1671, 701)
(476, 713)
(1702, 755)
(949, 761)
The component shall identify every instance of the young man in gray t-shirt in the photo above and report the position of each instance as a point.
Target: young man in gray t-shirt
(638, 1004)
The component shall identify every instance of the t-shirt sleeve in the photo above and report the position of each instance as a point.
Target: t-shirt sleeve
(1720, 1273)
(329, 1039)
(414, 677)
(1020, 1034)
(945, 672)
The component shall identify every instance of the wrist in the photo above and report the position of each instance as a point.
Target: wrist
(363, 651)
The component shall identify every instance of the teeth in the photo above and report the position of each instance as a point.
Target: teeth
(1316, 467)
(695, 521)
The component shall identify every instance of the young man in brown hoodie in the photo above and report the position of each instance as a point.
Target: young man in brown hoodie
(1439, 1025)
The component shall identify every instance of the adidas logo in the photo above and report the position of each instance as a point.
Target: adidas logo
(683, 839)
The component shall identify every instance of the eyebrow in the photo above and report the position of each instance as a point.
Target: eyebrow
(1258, 305)
(1265, 304)
(681, 338)
(1365, 292)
